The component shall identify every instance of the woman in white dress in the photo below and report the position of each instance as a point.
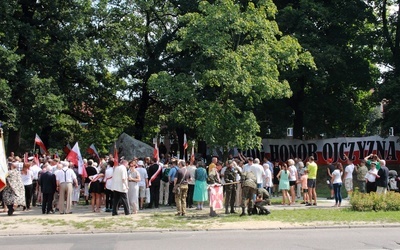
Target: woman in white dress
(133, 191)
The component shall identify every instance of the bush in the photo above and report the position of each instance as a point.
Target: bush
(376, 202)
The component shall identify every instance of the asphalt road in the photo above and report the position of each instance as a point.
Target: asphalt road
(330, 238)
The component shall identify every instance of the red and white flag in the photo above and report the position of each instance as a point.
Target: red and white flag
(3, 162)
(192, 158)
(41, 145)
(116, 162)
(67, 149)
(93, 151)
(185, 143)
(36, 160)
(156, 153)
(75, 157)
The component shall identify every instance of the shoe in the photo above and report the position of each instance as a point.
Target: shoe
(308, 204)
(183, 214)
(233, 212)
(114, 214)
(71, 212)
(267, 212)
(178, 214)
(303, 202)
(86, 202)
(329, 198)
(314, 204)
(198, 208)
(190, 206)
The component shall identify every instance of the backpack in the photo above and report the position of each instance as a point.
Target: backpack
(164, 176)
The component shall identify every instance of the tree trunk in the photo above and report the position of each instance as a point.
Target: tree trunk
(298, 124)
(141, 114)
(14, 141)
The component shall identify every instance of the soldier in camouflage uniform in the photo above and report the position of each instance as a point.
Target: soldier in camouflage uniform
(262, 201)
(230, 189)
(249, 189)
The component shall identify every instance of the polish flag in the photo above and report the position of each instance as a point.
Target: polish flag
(192, 155)
(36, 160)
(75, 157)
(156, 153)
(67, 149)
(3, 162)
(93, 151)
(41, 145)
(116, 162)
(185, 143)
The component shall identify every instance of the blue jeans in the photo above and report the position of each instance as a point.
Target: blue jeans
(338, 193)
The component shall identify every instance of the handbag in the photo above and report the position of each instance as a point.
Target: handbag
(177, 187)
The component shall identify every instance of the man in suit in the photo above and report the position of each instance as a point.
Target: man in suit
(47, 182)
(154, 174)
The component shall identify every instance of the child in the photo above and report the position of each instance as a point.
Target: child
(303, 180)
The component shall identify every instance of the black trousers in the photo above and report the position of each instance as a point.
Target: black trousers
(34, 192)
(371, 187)
(117, 199)
(171, 195)
(189, 197)
(154, 195)
(28, 195)
(47, 202)
(109, 198)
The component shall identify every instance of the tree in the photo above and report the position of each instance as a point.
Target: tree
(236, 54)
(388, 13)
(334, 99)
(59, 77)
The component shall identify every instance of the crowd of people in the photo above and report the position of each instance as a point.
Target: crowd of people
(148, 183)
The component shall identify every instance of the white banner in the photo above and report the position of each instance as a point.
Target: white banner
(355, 148)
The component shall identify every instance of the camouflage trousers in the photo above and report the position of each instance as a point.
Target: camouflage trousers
(247, 195)
(180, 199)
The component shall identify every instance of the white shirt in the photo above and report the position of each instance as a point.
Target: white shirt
(143, 176)
(120, 179)
(27, 179)
(258, 171)
(292, 173)
(337, 176)
(268, 178)
(349, 171)
(247, 168)
(108, 177)
(65, 175)
(35, 170)
(371, 175)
